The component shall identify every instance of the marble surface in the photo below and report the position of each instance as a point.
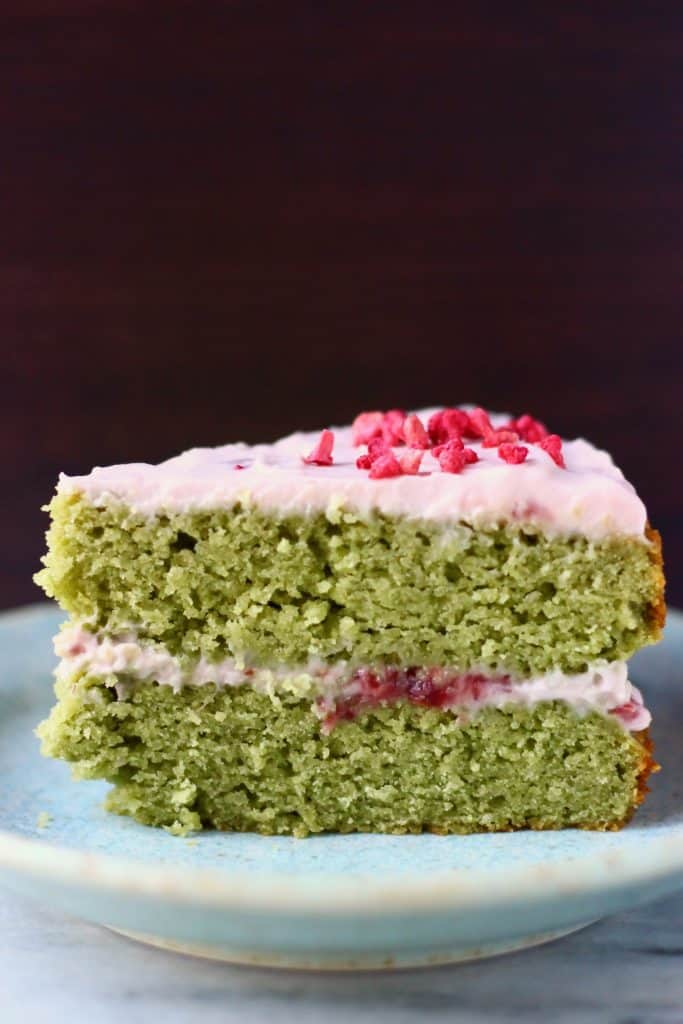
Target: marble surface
(625, 970)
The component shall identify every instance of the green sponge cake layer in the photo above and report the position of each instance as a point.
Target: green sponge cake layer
(241, 760)
(244, 582)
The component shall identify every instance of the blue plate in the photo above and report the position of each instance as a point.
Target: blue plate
(327, 901)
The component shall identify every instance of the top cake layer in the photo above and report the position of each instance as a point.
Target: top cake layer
(588, 496)
(448, 539)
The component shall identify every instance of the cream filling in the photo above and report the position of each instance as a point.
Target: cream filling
(604, 687)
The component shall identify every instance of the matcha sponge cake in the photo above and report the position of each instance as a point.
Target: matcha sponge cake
(419, 622)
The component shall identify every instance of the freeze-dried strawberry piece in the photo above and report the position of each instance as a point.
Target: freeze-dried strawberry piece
(552, 444)
(455, 442)
(478, 424)
(446, 424)
(366, 426)
(455, 422)
(452, 457)
(414, 433)
(322, 453)
(470, 456)
(529, 429)
(410, 460)
(385, 466)
(512, 453)
(377, 447)
(435, 428)
(501, 436)
(392, 426)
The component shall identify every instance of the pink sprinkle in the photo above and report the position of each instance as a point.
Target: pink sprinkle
(384, 466)
(455, 422)
(377, 447)
(452, 458)
(455, 442)
(410, 460)
(238, 465)
(414, 433)
(479, 424)
(322, 453)
(436, 429)
(529, 429)
(392, 426)
(512, 453)
(502, 436)
(366, 426)
(552, 444)
(446, 424)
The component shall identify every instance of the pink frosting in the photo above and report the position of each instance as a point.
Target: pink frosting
(589, 497)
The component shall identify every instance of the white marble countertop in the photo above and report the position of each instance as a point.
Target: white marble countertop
(625, 970)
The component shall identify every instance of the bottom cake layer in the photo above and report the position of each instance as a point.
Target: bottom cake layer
(236, 759)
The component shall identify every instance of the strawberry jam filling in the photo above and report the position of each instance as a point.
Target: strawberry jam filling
(436, 688)
(428, 687)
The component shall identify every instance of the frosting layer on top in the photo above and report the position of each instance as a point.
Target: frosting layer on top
(589, 497)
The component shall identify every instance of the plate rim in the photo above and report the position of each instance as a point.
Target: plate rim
(337, 894)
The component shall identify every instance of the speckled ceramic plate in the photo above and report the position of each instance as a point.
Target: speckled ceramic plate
(327, 901)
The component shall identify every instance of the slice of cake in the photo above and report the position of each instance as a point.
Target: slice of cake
(419, 622)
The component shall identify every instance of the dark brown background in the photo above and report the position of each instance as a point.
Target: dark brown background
(229, 220)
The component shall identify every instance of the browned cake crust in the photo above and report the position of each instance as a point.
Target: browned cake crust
(657, 611)
(647, 767)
